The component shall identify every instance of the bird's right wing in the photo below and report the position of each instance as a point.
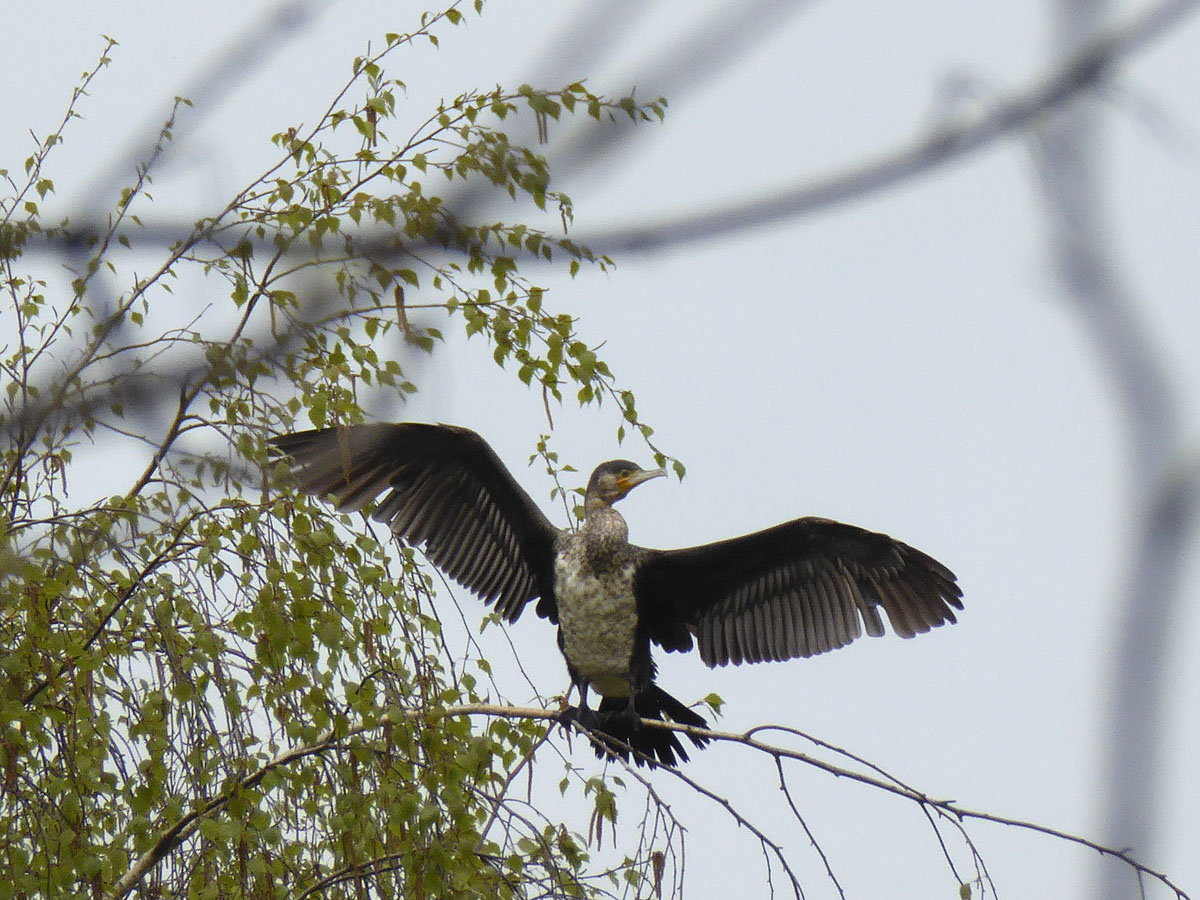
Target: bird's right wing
(443, 487)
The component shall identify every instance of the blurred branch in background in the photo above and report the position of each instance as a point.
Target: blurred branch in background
(1082, 70)
(1065, 82)
(214, 80)
(1025, 110)
(678, 71)
(1163, 478)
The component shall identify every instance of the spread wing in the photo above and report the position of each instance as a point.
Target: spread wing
(798, 589)
(442, 487)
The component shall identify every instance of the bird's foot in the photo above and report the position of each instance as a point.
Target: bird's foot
(630, 721)
(585, 718)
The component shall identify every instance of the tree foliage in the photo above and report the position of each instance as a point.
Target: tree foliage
(208, 688)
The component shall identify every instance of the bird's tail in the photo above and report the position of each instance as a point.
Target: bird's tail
(615, 734)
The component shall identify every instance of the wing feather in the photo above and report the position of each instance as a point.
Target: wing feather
(810, 627)
(801, 588)
(444, 490)
(790, 644)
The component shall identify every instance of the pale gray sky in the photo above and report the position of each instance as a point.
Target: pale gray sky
(906, 363)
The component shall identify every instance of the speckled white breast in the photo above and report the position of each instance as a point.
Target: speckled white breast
(597, 614)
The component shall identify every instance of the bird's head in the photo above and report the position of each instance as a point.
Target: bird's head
(612, 480)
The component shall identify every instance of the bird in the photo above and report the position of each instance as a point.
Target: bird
(796, 589)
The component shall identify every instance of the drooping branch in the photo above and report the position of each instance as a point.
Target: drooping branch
(891, 785)
(174, 835)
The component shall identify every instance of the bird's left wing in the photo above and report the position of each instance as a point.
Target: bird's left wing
(798, 589)
(445, 489)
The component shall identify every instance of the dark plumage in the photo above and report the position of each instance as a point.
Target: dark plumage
(797, 589)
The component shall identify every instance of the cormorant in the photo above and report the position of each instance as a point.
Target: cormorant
(797, 589)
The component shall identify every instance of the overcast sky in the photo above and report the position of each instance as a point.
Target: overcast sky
(906, 362)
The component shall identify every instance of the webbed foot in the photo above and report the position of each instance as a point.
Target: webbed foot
(627, 719)
(580, 715)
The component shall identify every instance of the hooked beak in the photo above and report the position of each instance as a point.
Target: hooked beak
(641, 475)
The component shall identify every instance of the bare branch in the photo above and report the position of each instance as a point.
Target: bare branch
(787, 794)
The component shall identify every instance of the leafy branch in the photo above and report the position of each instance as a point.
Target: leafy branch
(948, 810)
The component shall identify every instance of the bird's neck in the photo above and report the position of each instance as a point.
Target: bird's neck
(593, 505)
